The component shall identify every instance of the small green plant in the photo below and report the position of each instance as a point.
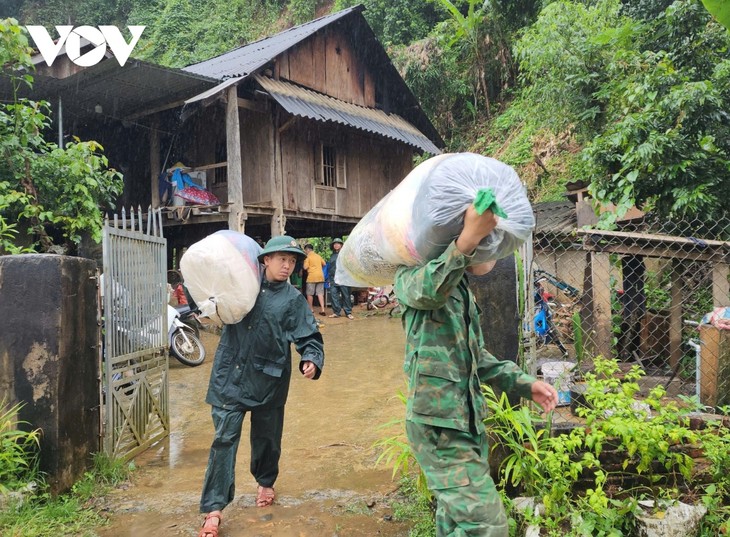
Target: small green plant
(578, 339)
(396, 452)
(18, 450)
(631, 448)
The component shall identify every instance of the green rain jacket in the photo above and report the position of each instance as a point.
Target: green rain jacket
(252, 365)
(446, 361)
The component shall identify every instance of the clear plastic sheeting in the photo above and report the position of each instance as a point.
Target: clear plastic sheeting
(223, 275)
(418, 219)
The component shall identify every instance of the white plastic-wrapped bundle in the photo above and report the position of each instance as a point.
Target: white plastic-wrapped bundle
(223, 275)
(418, 219)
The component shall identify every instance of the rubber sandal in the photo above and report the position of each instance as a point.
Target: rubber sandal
(211, 532)
(349, 316)
(265, 496)
(322, 313)
(333, 316)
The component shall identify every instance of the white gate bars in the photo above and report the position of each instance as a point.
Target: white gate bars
(135, 371)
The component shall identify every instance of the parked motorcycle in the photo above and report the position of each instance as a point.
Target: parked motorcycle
(379, 297)
(545, 329)
(183, 332)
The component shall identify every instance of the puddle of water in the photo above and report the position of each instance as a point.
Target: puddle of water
(328, 483)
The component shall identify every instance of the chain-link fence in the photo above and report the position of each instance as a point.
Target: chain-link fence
(651, 293)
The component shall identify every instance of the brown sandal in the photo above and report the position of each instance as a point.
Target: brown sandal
(265, 496)
(211, 532)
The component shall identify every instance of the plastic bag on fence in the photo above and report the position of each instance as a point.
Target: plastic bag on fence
(418, 219)
(223, 275)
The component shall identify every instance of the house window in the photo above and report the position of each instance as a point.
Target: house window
(331, 167)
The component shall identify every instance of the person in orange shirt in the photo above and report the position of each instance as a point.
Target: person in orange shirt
(314, 265)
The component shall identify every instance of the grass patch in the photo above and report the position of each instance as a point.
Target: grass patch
(414, 508)
(74, 513)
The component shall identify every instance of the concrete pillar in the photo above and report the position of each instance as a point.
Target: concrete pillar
(49, 357)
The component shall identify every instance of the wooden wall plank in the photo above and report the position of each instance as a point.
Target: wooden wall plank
(301, 64)
(256, 143)
(319, 47)
(282, 64)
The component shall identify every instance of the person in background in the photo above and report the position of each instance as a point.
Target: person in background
(314, 265)
(446, 364)
(339, 294)
(251, 373)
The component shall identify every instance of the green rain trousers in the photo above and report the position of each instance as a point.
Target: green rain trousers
(267, 425)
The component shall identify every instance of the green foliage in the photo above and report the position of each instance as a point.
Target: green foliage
(44, 188)
(18, 449)
(183, 32)
(302, 10)
(415, 508)
(649, 95)
(43, 515)
(75, 12)
(646, 432)
(397, 23)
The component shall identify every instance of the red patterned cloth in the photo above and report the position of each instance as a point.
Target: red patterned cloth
(197, 196)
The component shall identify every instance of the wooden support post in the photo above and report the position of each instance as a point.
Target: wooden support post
(675, 316)
(278, 220)
(720, 285)
(234, 169)
(155, 163)
(597, 292)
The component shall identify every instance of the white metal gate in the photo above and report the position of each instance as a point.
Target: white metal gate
(135, 371)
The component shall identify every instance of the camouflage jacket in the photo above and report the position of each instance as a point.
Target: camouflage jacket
(446, 361)
(252, 365)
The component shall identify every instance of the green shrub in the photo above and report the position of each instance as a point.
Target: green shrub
(18, 450)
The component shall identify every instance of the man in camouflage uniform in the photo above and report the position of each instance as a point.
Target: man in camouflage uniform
(446, 363)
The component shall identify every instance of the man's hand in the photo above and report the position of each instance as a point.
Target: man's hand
(476, 227)
(309, 369)
(544, 395)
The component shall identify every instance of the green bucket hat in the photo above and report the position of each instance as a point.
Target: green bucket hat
(282, 243)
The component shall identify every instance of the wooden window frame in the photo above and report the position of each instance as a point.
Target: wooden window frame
(330, 166)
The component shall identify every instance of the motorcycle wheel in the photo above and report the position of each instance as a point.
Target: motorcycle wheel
(191, 351)
(381, 301)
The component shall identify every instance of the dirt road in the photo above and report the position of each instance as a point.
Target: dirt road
(329, 484)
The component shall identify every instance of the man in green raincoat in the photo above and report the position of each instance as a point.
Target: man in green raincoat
(251, 373)
(446, 364)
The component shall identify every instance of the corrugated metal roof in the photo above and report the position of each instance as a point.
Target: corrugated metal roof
(310, 104)
(244, 60)
(555, 217)
(121, 92)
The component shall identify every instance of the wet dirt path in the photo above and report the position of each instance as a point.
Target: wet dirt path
(329, 484)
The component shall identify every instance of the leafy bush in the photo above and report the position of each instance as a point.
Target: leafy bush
(18, 450)
(55, 193)
(584, 491)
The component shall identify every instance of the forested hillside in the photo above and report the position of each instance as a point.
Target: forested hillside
(631, 96)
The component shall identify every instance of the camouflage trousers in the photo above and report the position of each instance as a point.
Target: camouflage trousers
(457, 472)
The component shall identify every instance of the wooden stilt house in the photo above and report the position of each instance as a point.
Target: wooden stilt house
(299, 133)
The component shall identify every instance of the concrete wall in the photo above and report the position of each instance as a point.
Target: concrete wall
(49, 357)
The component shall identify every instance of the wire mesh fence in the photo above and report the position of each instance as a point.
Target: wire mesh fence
(652, 293)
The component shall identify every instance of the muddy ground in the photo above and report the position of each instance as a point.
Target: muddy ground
(329, 483)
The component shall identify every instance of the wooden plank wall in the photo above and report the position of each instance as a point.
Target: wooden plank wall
(374, 167)
(327, 63)
(256, 156)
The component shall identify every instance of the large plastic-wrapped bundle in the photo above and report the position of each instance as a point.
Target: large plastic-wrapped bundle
(418, 219)
(223, 275)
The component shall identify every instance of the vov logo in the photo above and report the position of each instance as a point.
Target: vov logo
(71, 37)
